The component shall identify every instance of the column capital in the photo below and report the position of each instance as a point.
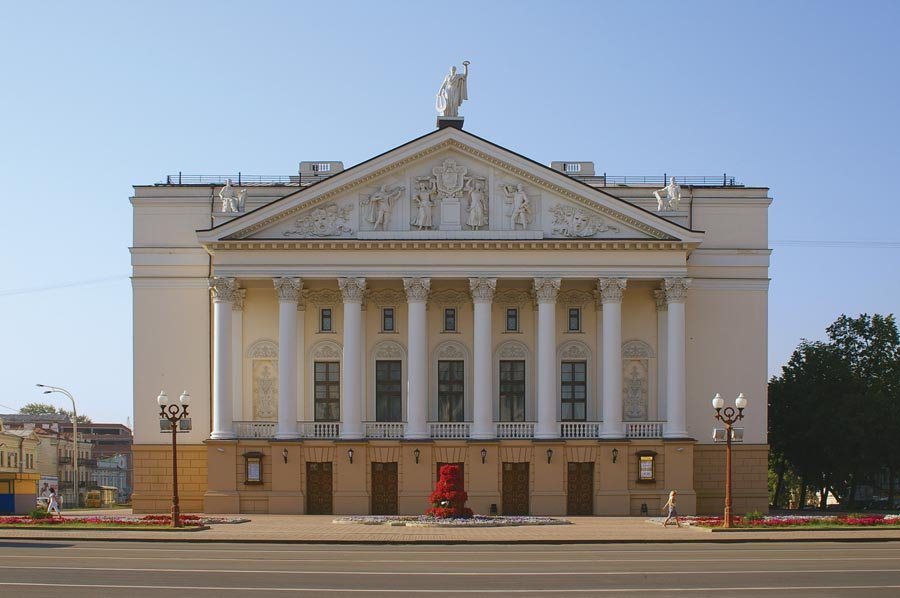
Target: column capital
(223, 289)
(546, 289)
(352, 289)
(288, 288)
(676, 289)
(660, 297)
(417, 289)
(239, 296)
(482, 289)
(611, 289)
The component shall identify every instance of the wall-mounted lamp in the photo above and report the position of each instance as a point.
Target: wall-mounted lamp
(549, 455)
(483, 456)
(350, 455)
(615, 454)
(416, 454)
(284, 454)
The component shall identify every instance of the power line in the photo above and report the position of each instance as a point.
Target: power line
(68, 285)
(831, 243)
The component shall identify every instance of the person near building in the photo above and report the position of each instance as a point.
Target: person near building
(53, 504)
(673, 512)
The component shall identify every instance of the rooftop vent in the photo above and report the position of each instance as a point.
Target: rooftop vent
(574, 168)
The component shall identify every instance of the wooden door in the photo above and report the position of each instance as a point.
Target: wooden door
(384, 488)
(580, 495)
(318, 488)
(515, 488)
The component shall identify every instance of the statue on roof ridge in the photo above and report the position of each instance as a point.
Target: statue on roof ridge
(453, 92)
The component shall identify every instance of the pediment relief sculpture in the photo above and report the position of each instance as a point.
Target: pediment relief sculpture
(423, 202)
(572, 221)
(329, 220)
(520, 209)
(379, 205)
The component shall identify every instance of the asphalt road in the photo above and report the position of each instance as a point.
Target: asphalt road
(139, 569)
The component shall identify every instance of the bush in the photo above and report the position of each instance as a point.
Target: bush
(449, 499)
(39, 513)
(754, 516)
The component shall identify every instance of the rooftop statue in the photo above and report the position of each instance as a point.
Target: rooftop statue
(452, 92)
(672, 199)
(231, 201)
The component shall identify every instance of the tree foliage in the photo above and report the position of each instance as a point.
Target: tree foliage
(834, 413)
(47, 409)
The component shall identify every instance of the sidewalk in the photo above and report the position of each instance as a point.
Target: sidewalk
(319, 529)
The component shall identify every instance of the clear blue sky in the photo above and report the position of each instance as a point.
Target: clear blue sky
(97, 96)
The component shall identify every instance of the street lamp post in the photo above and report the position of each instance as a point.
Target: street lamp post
(52, 389)
(174, 412)
(729, 417)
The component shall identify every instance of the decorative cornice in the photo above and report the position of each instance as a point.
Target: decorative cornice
(611, 289)
(353, 290)
(575, 297)
(223, 289)
(660, 297)
(417, 289)
(288, 289)
(323, 297)
(239, 296)
(449, 298)
(482, 289)
(465, 149)
(444, 244)
(676, 289)
(513, 297)
(546, 289)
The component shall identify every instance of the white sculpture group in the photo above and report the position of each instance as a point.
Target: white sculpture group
(232, 202)
(380, 204)
(453, 91)
(520, 205)
(672, 198)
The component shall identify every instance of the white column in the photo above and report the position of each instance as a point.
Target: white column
(223, 290)
(288, 295)
(417, 361)
(482, 290)
(237, 355)
(352, 290)
(676, 293)
(662, 351)
(301, 360)
(545, 292)
(598, 362)
(611, 291)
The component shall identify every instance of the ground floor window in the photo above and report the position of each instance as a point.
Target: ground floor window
(327, 391)
(451, 391)
(512, 391)
(388, 391)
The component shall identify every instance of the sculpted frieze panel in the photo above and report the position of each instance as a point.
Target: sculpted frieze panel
(572, 221)
(329, 220)
(265, 389)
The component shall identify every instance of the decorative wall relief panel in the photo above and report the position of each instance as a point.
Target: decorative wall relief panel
(636, 356)
(265, 389)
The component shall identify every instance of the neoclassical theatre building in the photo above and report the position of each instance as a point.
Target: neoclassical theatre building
(344, 332)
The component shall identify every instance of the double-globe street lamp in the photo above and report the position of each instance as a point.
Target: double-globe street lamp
(174, 412)
(729, 417)
(56, 389)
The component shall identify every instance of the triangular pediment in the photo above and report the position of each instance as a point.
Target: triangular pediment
(449, 184)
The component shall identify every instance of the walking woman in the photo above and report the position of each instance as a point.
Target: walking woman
(53, 502)
(673, 512)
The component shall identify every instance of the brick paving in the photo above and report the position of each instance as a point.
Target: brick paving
(320, 529)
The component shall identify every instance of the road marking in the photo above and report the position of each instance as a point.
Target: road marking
(436, 591)
(453, 562)
(447, 574)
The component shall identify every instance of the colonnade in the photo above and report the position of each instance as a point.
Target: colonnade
(671, 331)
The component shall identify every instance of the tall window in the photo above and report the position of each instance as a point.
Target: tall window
(574, 319)
(451, 391)
(325, 320)
(388, 394)
(573, 391)
(512, 320)
(387, 319)
(512, 391)
(328, 391)
(450, 319)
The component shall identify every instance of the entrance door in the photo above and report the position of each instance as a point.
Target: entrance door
(580, 496)
(515, 488)
(318, 488)
(384, 488)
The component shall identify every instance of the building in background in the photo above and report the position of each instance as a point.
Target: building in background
(556, 331)
(110, 441)
(18, 473)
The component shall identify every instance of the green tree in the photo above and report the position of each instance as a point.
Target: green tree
(46, 409)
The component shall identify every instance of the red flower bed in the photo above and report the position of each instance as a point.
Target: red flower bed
(449, 499)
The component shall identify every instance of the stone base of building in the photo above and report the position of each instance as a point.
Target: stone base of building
(560, 477)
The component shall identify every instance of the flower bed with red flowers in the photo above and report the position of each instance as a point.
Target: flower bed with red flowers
(448, 500)
(850, 520)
